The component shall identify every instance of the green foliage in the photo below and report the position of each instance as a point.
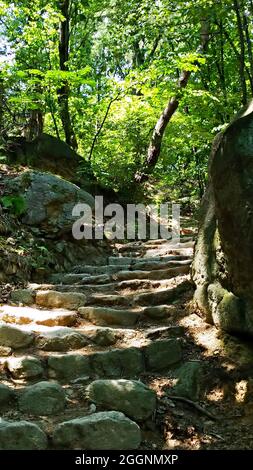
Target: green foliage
(125, 59)
(15, 204)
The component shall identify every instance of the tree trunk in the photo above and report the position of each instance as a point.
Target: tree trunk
(35, 124)
(63, 91)
(249, 48)
(155, 144)
(242, 51)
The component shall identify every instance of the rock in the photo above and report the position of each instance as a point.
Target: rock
(46, 153)
(100, 431)
(189, 380)
(26, 367)
(67, 367)
(162, 354)
(24, 315)
(55, 299)
(21, 435)
(15, 337)
(60, 339)
(109, 316)
(42, 399)
(105, 336)
(6, 394)
(131, 397)
(165, 332)
(162, 296)
(4, 351)
(223, 275)
(118, 363)
(49, 200)
(23, 296)
(159, 311)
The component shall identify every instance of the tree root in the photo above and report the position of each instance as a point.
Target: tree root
(194, 405)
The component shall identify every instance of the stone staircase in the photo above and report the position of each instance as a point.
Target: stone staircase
(76, 353)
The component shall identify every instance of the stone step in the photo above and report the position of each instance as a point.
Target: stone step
(164, 271)
(115, 261)
(142, 264)
(33, 336)
(104, 316)
(146, 298)
(135, 358)
(132, 282)
(55, 299)
(156, 244)
(109, 316)
(159, 274)
(125, 363)
(26, 315)
(120, 276)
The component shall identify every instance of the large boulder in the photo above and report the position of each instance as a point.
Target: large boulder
(46, 153)
(21, 435)
(48, 200)
(223, 264)
(42, 399)
(108, 430)
(131, 397)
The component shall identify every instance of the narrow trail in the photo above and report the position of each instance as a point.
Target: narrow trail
(62, 342)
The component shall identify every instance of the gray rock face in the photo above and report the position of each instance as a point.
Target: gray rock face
(15, 337)
(49, 200)
(42, 399)
(189, 380)
(6, 394)
(26, 367)
(23, 296)
(106, 336)
(162, 354)
(101, 431)
(68, 366)
(47, 153)
(130, 397)
(109, 316)
(21, 435)
(55, 299)
(60, 339)
(223, 263)
(118, 363)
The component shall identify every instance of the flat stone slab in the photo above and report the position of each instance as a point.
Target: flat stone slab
(118, 363)
(60, 339)
(131, 397)
(55, 299)
(25, 367)
(109, 316)
(26, 315)
(156, 275)
(15, 337)
(160, 355)
(103, 336)
(109, 430)
(67, 367)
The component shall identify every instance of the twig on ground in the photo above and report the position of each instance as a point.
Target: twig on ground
(195, 405)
